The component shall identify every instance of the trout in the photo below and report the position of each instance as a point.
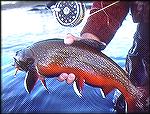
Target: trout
(49, 58)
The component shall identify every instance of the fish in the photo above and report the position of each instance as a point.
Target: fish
(49, 58)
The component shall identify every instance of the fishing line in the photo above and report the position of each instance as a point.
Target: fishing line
(103, 8)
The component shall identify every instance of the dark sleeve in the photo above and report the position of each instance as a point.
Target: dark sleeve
(105, 24)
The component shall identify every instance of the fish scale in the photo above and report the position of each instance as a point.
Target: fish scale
(84, 59)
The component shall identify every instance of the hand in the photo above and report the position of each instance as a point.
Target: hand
(64, 76)
(70, 39)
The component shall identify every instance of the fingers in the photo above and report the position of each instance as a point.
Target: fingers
(62, 77)
(68, 77)
(71, 78)
(69, 39)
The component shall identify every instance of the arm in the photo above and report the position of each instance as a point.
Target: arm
(105, 23)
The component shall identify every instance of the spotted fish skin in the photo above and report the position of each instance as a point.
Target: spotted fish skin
(52, 57)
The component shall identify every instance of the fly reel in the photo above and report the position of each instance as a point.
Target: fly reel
(69, 13)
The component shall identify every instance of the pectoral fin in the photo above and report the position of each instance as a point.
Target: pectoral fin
(30, 80)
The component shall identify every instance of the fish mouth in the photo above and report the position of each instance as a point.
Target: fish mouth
(17, 66)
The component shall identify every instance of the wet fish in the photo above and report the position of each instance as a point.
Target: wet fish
(50, 58)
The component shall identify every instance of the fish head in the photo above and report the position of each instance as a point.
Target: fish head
(24, 60)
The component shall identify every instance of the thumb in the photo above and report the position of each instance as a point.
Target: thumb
(69, 39)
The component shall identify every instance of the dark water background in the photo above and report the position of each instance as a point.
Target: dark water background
(21, 28)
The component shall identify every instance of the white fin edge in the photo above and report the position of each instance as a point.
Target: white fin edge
(25, 84)
(45, 87)
(102, 93)
(76, 90)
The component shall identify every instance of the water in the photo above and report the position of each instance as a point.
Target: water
(21, 28)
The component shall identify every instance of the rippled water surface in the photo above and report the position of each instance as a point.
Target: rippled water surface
(21, 28)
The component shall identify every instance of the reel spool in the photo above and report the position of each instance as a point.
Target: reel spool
(69, 13)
